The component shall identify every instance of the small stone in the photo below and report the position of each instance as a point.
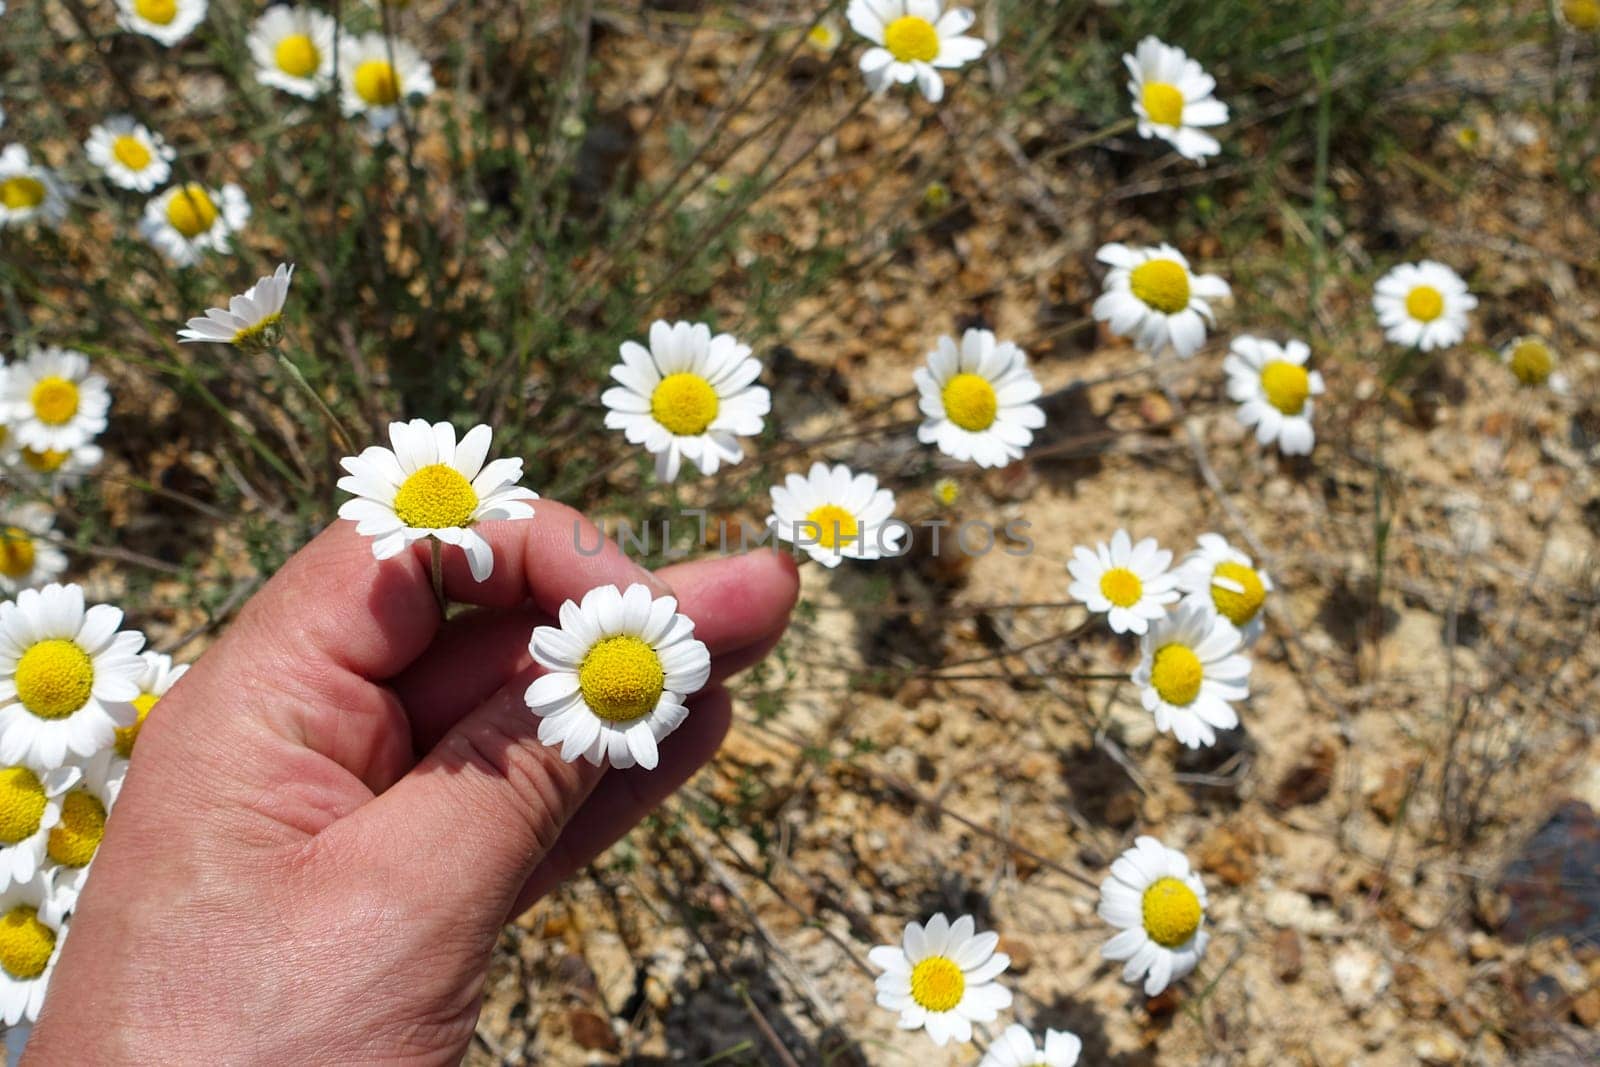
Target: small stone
(1439, 1047)
(1386, 799)
(1287, 956)
(1360, 974)
(591, 1032)
(1229, 852)
(1310, 779)
(1586, 1008)
(1021, 955)
(928, 722)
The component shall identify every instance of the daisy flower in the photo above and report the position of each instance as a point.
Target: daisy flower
(1423, 305)
(28, 557)
(429, 486)
(187, 221)
(834, 515)
(977, 399)
(32, 926)
(130, 155)
(1159, 904)
(1219, 577)
(293, 50)
(29, 192)
(914, 40)
(67, 676)
(1581, 14)
(168, 21)
(1172, 98)
(1273, 389)
(1152, 297)
(51, 402)
(76, 837)
(252, 316)
(1129, 582)
(1190, 671)
(159, 675)
(1015, 1048)
(30, 807)
(1533, 362)
(941, 978)
(824, 36)
(57, 468)
(688, 396)
(377, 73)
(618, 670)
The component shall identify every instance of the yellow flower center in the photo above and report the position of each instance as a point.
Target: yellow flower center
(55, 400)
(1287, 386)
(131, 152)
(1162, 284)
(823, 36)
(47, 462)
(127, 735)
(160, 12)
(25, 943)
(1171, 912)
(1238, 607)
(22, 802)
(376, 83)
(1424, 303)
(434, 498)
(16, 552)
(75, 838)
(54, 678)
(250, 333)
(1121, 586)
(297, 56)
(910, 38)
(969, 402)
(1163, 103)
(937, 984)
(191, 211)
(836, 527)
(684, 403)
(1176, 674)
(1582, 14)
(621, 678)
(946, 491)
(22, 193)
(1531, 361)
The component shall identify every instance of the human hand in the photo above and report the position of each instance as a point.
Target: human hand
(328, 821)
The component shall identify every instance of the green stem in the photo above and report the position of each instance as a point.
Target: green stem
(316, 398)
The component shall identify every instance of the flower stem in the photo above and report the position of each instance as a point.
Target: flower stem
(316, 398)
(436, 552)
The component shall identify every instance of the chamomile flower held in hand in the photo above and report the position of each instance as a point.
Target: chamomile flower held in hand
(77, 835)
(32, 926)
(28, 556)
(835, 515)
(131, 156)
(1172, 98)
(1220, 577)
(1015, 1048)
(914, 40)
(1153, 298)
(1159, 905)
(688, 396)
(377, 74)
(51, 402)
(159, 675)
(1423, 305)
(293, 50)
(619, 668)
(167, 21)
(1189, 673)
(252, 316)
(1130, 582)
(186, 221)
(67, 676)
(1533, 363)
(29, 191)
(427, 485)
(977, 399)
(1273, 389)
(941, 978)
(30, 807)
